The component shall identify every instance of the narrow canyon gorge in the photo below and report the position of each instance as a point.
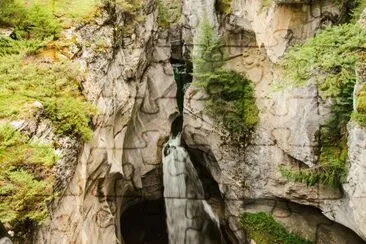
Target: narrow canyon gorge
(167, 160)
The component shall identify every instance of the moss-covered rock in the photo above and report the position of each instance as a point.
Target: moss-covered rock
(231, 97)
(263, 229)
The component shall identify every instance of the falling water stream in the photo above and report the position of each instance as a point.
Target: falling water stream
(190, 218)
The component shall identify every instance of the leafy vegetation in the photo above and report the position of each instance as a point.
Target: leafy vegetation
(359, 6)
(54, 85)
(231, 95)
(328, 60)
(33, 21)
(25, 177)
(169, 11)
(26, 77)
(350, 9)
(263, 229)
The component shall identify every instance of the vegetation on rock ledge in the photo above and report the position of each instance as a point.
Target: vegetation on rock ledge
(328, 60)
(263, 229)
(231, 95)
(25, 177)
(34, 71)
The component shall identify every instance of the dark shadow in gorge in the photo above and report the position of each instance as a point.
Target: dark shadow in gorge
(212, 192)
(145, 223)
(183, 78)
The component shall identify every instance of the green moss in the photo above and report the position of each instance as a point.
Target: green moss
(230, 94)
(359, 118)
(25, 177)
(266, 4)
(223, 6)
(361, 100)
(360, 114)
(328, 60)
(263, 229)
(128, 5)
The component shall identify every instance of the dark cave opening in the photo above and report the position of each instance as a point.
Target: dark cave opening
(145, 223)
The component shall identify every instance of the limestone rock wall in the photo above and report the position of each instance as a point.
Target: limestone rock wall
(130, 80)
(255, 38)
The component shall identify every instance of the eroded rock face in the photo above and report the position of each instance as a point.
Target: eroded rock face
(131, 82)
(287, 134)
(305, 221)
(350, 210)
(276, 26)
(39, 129)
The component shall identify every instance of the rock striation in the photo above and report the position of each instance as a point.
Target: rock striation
(256, 37)
(130, 80)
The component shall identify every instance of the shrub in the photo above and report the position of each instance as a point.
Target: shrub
(169, 11)
(54, 85)
(231, 95)
(263, 229)
(232, 101)
(359, 6)
(44, 18)
(25, 177)
(208, 54)
(32, 21)
(328, 60)
(9, 46)
(70, 116)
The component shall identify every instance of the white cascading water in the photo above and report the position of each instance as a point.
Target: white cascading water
(190, 218)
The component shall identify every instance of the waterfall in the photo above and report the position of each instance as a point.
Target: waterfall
(190, 218)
